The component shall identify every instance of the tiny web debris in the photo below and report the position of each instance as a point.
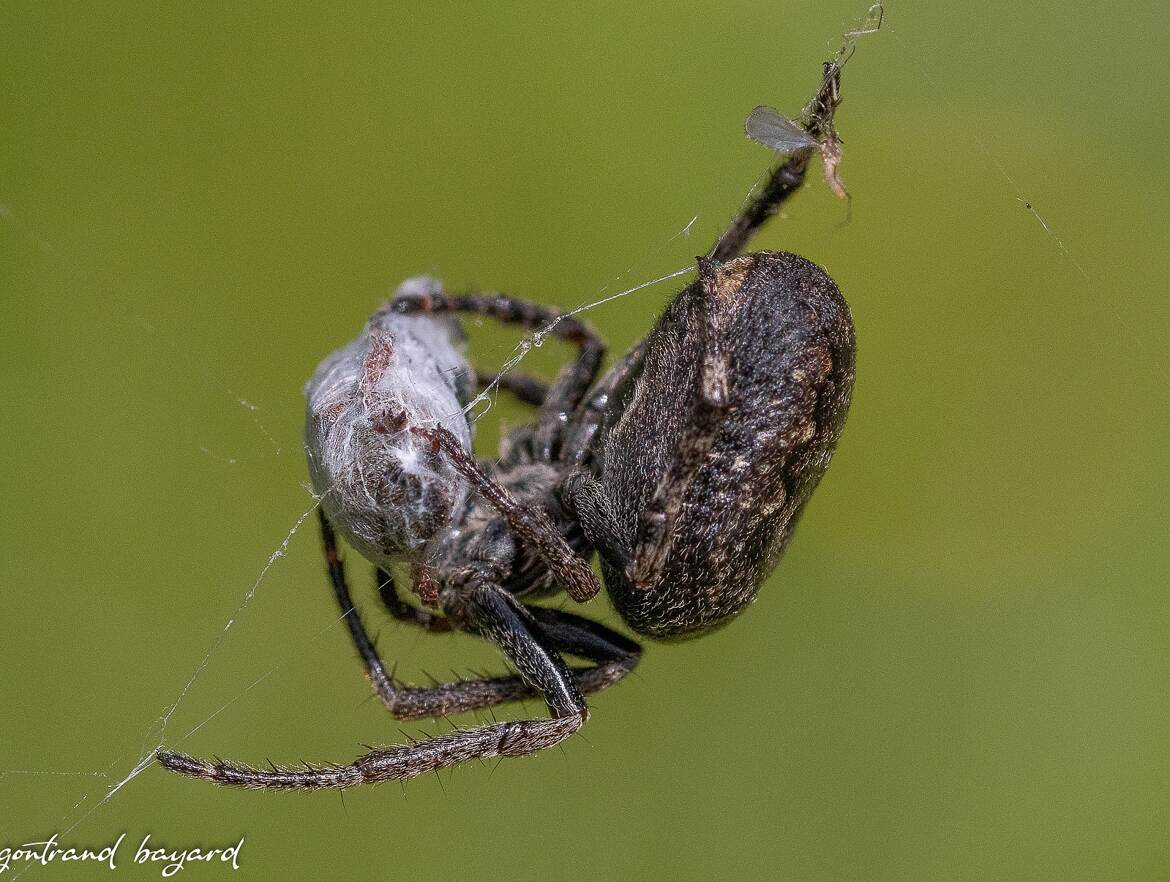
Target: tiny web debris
(789, 137)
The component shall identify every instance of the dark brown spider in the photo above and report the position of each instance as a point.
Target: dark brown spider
(685, 468)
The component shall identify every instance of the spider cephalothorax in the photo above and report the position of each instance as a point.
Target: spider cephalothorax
(684, 467)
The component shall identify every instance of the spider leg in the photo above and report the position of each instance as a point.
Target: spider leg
(575, 377)
(491, 612)
(588, 421)
(614, 655)
(526, 388)
(787, 177)
(531, 525)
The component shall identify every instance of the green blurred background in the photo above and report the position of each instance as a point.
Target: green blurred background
(958, 671)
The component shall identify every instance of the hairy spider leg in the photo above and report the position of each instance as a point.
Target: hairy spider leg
(614, 655)
(492, 613)
(529, 637)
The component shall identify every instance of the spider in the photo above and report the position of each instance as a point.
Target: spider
(684, 468)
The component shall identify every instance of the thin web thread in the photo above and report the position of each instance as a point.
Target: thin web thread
(156, 735)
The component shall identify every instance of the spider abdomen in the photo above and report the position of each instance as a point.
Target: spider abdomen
(781, 337)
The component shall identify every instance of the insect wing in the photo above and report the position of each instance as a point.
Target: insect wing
(770, 128)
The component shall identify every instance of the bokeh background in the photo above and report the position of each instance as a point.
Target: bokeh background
(958, 671)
